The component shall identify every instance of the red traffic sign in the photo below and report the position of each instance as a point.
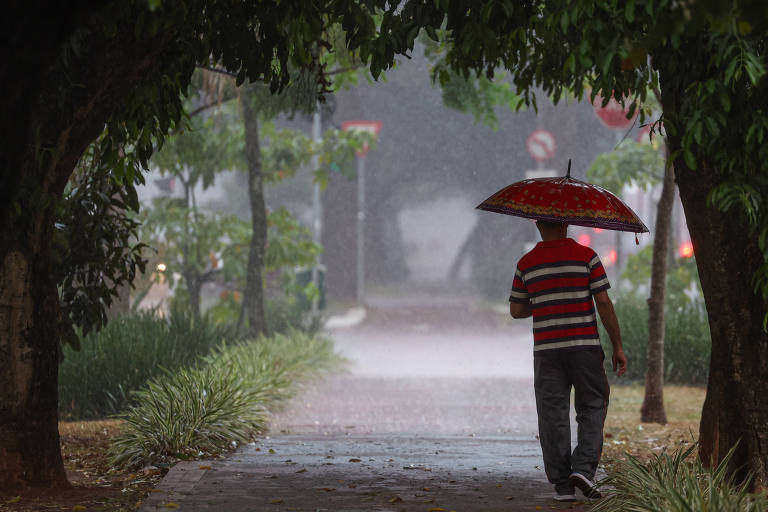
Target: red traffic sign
(613, 115)
(541, 145)
(373, 127)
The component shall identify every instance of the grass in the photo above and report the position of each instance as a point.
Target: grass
(98, 380)
(678, 482)
(626, 434)
(213, 407)
(654, 468)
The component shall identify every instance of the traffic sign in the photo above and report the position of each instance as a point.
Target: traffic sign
(373, 127)
(541, 145)
(613, 115)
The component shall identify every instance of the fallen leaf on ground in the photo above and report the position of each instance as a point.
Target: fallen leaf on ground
(78, 508)
(354, 460)
(272, 450)
(302, 470)
(204, 467)
(396, 499)
(276, 501)
(327, 489)
(426, 489)
(171, 504)
(14, 499)
(437, 509)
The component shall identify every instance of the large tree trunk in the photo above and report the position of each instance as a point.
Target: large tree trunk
(56, 108)
(29, 314)
(736, 405)
(253, 300)
(652, 410)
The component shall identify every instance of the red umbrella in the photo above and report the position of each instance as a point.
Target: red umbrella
(565, 199)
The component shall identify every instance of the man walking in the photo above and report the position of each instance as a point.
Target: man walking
(559, 283)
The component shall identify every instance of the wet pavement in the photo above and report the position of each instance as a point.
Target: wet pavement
(434, 413)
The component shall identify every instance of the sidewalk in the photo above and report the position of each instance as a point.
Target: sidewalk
(361, 473)
(436, 413)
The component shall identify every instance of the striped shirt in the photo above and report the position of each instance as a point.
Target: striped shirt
(558, 278)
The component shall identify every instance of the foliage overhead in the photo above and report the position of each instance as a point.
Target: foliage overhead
(96, 246)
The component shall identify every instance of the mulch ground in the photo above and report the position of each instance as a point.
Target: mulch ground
(95, 484)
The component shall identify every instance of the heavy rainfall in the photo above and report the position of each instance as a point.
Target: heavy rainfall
(294, 279)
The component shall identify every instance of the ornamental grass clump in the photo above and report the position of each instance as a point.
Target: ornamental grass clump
(221, 403)
(678, 482)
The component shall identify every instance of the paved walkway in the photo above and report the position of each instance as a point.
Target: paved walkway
(435, 413)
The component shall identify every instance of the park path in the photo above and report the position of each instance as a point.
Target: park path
(434, 412)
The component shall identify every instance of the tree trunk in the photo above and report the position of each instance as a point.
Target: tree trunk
(194, 285)
(253, 300)
(29, 312)
(652, 410)
(56, 106)
(736, 405)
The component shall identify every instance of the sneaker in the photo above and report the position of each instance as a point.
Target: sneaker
(564, 497)
(587, 486)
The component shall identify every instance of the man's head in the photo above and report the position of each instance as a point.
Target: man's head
(552, 230)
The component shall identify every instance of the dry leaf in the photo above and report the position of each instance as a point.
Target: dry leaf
(171, 504)
(437, 509)
(78, 508)
(396, 499)
(302, 470)
(426, 489)
(204, 467)
(14, 499)
(276, 501)
(354, 460)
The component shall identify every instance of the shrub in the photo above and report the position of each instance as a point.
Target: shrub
(207, 408)
(675, 483)
(687, 342)
(98, 380)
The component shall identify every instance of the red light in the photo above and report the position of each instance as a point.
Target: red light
(686, 250)
(598, 230)
(612, 256)
(585, 240)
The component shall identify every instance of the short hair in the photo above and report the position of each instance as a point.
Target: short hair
(549, 224)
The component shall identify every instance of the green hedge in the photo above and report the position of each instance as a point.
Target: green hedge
(687, 342)
(98, 380)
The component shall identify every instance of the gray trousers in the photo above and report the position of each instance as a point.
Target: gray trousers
(554, 374)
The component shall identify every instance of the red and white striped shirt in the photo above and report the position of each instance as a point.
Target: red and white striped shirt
(558, 278)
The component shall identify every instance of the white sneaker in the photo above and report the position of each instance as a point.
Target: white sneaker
(585, 485)
(564, 497)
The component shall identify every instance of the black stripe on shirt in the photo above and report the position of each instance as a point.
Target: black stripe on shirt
(560, 275)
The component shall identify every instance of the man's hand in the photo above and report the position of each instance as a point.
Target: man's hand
(619, 361)
(518, 310)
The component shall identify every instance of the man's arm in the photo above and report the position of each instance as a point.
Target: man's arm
(611, 323)
(520, 309)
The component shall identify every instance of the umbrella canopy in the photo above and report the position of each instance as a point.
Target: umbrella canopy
(565, 199)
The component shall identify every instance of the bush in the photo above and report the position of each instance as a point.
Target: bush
(687, 342)
(675, 483)
(213, 407)
(98, 380)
